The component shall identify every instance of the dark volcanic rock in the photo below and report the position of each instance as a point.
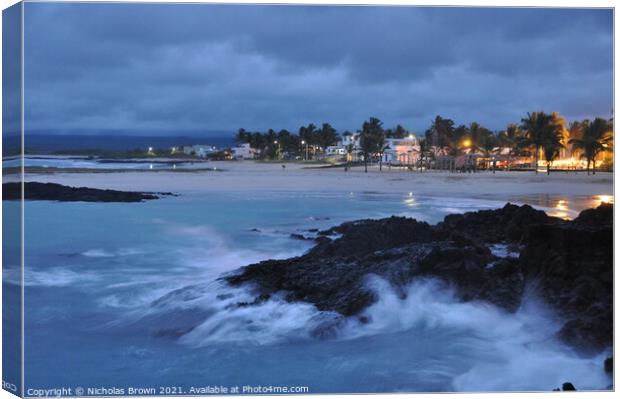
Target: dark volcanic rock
(567, 386)
(367, 236)
(508, 224)
(333, 274)
(609, 365)
(58, 192)
(569, 262)
(572, 266)
(297, 236)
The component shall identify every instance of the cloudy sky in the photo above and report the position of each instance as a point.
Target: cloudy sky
(151, 68)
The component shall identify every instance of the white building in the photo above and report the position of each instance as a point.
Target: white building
(350, 139)
(335, 150)
(405, 151)
(348, 146)
(244, 151)
(200, 150)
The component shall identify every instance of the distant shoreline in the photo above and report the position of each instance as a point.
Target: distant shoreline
(257, 177)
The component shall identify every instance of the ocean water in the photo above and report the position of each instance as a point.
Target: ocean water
(127, 295)
(86, 163)
(43, 142)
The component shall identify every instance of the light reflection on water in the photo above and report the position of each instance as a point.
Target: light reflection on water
(565, 207)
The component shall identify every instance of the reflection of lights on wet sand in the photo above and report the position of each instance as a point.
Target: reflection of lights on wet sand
(605, 198)
(596, 200)
(560, 210)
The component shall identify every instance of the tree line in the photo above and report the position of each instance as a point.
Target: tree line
(272, 144)
(311, 138)
(537, 133)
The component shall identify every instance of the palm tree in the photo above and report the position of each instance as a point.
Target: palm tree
(534, 128)
(511, 138)
(543, 129)
(440, 134)
(551, 148)
(478, 135)
(489, 147)
(242, 136)
(327, 136)
(399, 132)
(424, 153)
(372, 139)
(597, 137)
(553, 138)
(309, 134)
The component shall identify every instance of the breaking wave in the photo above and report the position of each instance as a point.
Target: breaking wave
(482, 347)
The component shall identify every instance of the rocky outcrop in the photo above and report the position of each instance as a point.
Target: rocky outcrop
(58, 192)
(572, 265)
(508, 224)
(569, 261)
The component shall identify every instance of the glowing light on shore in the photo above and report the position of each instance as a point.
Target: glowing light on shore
(560, 210)
(567, 163)
(561, 205)
(609, 199)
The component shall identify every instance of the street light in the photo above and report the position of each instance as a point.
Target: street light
(302, 143)
(276, 142)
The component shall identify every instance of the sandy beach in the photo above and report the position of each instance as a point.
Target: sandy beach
(253, 176)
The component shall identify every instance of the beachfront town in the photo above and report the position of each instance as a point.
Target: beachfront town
(542, 141)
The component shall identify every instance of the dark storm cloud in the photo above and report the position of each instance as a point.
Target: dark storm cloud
(11, 71)
(138, 66)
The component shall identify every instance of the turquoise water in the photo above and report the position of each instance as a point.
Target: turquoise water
(126, 295)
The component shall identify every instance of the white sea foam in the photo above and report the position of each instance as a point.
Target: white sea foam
(205, 254)
(517, 351)
(102, 253)
(215, 253)
(497, 350)
(58, 277)
(272, 321)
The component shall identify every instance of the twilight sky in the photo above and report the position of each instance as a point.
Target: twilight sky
(213, 69)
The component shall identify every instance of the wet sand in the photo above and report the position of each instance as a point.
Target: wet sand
(253, 176)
